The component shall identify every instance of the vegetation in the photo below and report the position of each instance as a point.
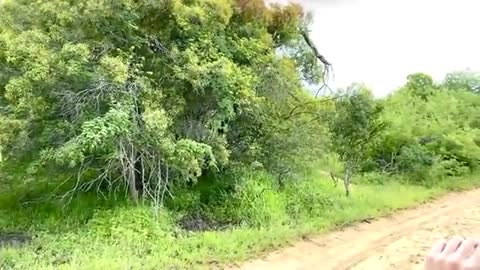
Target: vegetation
(353, 126)
(179, 134)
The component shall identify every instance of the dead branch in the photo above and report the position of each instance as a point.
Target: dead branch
(327, 66)
(74, 104)
(312, 46)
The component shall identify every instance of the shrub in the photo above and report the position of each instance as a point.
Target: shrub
(255, 202)
(309, 198)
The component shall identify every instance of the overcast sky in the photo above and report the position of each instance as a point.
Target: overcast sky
(380, 42)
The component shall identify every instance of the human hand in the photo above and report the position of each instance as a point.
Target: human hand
(456, 254)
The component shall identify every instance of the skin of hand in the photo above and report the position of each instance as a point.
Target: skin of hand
(456, 254)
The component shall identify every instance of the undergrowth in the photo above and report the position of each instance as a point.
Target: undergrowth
(90, 233)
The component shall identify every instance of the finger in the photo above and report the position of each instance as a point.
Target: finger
(452, 246)
(431, 259)
(466, 249)
(476, 253)
(474, 261)
(438, 247)
(457, 260)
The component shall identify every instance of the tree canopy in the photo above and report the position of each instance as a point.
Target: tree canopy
(152, 95)
(151, 92)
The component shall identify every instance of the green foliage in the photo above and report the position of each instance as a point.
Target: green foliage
(463, 80)
(256, 203)
(309, 198)
(431, 131)
(353, 126)
(200, 106)
(171, 88)
(98, 234)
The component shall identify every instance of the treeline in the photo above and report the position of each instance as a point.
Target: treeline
(173, 98)
(432, 129)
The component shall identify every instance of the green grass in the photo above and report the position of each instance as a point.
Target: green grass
(96, 234)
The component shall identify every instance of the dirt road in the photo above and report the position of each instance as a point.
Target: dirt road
(397, 242)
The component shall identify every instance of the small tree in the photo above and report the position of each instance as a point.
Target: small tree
(353, 124)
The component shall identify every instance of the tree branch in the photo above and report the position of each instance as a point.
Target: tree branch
(312, 46)
(326, 64)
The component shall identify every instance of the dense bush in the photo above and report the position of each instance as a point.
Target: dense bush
(202, 105)
(431, 131)
(155, 94)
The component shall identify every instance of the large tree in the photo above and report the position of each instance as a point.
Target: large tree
(144, 93)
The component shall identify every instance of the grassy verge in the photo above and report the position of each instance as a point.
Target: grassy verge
(93, 234)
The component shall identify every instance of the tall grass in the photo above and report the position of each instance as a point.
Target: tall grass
(111, 234)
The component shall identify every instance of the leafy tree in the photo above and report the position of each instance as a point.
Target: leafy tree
(421, 85)
(150, 94)
(428, 136)
(353, 126)
(463, 80)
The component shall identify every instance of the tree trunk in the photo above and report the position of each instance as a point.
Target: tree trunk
(139, 175)
(136, 164)
(334, 179)
(346, 181)
(136, 177)
(132, 179)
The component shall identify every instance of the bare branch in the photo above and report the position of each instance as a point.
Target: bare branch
(312, 46)
(327, 66)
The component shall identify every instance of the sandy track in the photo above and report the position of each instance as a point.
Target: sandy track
(397, 242)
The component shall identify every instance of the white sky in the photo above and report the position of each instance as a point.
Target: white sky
(380, 42)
